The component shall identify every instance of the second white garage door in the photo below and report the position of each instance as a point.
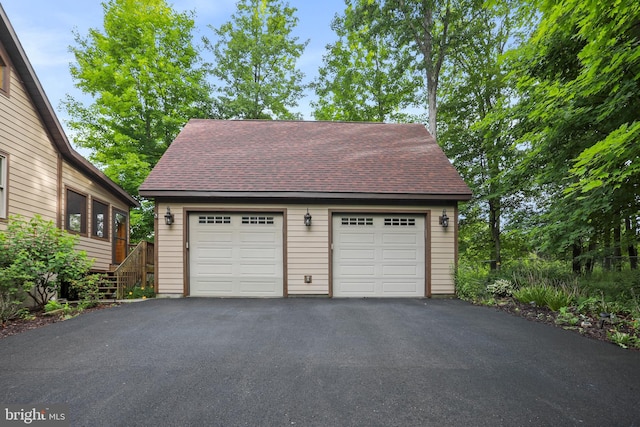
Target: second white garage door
(235, 255)
(378, 255)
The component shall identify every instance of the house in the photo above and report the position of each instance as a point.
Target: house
(283, 208)
(41, 174)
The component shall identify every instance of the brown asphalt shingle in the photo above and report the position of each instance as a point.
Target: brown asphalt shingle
(298, 156)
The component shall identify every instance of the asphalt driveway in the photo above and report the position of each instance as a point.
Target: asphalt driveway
(318, 362)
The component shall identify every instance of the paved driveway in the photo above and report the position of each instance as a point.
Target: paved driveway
(319, 362)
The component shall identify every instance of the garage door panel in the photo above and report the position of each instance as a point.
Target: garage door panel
(378, 255)
(400, 254)
(357, 238)
(213, 287)
(357, 288)
(400, 270)
(394, 287)
(215, 237)
(235, 255)
(249, 287)
(209, 254)
(269, 254)
(403, 239)
(355, 255)
(258, 237)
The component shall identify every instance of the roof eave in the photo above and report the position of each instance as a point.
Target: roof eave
(301, 195)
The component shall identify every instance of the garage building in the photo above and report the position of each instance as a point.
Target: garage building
(282, 208)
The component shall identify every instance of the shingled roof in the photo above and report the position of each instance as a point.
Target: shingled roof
(305, 159)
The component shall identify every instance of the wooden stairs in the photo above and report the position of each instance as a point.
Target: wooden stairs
(136, 270)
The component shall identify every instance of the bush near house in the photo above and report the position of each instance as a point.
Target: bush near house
(36, 257)
(603, 304)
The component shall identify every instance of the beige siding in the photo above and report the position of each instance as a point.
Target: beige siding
(32, 180)
(96, 248)
(307, 248)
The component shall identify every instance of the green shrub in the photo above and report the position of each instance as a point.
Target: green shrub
(469, 282)
(38, 257)
(52, 305)
(501, 288)
(536, 294)
(557, 298)
(88, 289)
(140, 292)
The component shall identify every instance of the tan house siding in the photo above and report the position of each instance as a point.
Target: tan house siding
(443, 246)
(307, 248)
(32, 178)
(98, 248)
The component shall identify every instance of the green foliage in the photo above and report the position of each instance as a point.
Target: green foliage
(579, 87)
(469, 282)
(256, 61)
(146, 80)
(623, 339)
(52, 305)
(38, 257)
(501, 288)
(536, 294)
(88, 289)
(567, 317)
(366, 76)
(138, 292)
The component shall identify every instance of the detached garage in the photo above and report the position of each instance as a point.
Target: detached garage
(282, 208)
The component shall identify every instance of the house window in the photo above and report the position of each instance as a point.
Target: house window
(76, 212)
(100, 215)
(3, 186)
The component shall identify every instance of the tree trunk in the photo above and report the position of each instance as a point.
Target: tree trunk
(631, 247)
(607, 249)
(589, 263)
(617, 246)
(494, 225)
(576, 266)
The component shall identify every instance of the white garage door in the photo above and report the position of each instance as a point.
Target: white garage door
(378, 255)
(235, 255)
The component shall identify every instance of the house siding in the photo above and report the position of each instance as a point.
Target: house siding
(98, 249)
(307, 248)
(33, 161)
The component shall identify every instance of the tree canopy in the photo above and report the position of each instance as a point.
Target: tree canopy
(255, 62)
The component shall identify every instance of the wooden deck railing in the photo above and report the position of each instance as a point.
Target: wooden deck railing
(134, 270)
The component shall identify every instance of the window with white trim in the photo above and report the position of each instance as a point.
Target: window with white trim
(3, 186)
(357, 221)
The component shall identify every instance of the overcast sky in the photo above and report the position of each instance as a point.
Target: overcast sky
(44, 28)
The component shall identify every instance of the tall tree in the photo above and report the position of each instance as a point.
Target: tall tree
(428, 25)
(146, 80)
(365, 76)
(477, 119)
(581, 84)
(256, 61)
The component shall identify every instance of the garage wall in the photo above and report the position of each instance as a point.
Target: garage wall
(307, 248)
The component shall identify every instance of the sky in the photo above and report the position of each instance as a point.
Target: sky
(44, 27)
